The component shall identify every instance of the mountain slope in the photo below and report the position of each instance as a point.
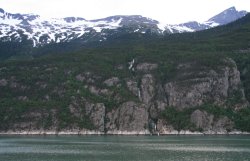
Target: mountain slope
(39, 32)
(225, 17)
(191, 81)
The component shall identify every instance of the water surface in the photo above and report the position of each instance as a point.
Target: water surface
(124, 148)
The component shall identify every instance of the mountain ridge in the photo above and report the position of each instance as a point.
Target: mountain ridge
(133, 83)
(143, 84)
(21, 27)
(230, 12)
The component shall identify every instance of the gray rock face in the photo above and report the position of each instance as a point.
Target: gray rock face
(94, 90)
(207, 122)
(87, 77)
(146, 67)
(133, 87)
(193, 86)
(189, 90)
(128, 117)
(202, 120)
(112, 81)
(223, 125)
(163, 127)
(204, 87)
(147, 88)
(96, 113)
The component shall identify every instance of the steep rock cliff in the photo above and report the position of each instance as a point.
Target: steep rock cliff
(139, 104)
(205, 86)
(130, 116)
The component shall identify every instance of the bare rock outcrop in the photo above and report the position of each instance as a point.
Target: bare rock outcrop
(164, 128)
(207, 122)
(146, 67)
(147, 88)
(202, 120)
(206, 86)
(133, 87)
(112, 81)
(130, 116)
(223, 125)
(96, 114)
(81, 109)
(192, 85)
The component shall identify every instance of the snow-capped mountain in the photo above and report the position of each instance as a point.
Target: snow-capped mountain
(40, 31)
(225, 17)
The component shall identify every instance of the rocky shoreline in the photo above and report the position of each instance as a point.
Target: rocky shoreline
(124, 133)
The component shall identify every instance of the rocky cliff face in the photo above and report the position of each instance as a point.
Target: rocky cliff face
(207, 86)
(130, 116)
(191, 89)
(193, 86)
(208, 122)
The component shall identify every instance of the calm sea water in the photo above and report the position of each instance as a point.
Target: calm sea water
(124, 148)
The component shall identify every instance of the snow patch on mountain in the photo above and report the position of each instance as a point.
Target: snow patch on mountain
(162, 26)
(211, 23)
(10, 21)
(41, 31)
(183, 29)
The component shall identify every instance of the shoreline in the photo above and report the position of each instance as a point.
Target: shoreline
(122, 133)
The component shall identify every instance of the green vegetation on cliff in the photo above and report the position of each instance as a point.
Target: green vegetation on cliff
(57, 92)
